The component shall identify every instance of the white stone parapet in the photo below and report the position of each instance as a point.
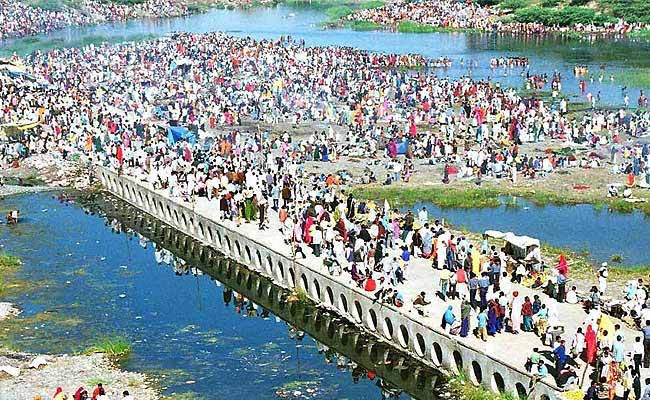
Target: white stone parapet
(266, 253)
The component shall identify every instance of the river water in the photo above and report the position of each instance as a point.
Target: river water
(581, 228)
(470, 53)
(92, 279)
(94, 276)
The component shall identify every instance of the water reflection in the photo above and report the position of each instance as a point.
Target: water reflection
(252, 296)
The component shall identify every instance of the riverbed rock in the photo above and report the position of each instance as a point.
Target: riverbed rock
(39, 361)
(8, 310)
(9, 370)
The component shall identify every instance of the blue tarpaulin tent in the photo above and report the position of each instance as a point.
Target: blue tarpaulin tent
(177, 133)
(402, 147)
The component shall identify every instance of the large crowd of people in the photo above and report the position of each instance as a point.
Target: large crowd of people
(174, 114)
(203, 81)
(20, 18)
(469, 15)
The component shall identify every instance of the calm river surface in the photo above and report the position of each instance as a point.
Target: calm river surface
(189, 330)
(598, 231)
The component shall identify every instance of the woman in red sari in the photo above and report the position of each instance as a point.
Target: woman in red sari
(590, 345)
(307, 235)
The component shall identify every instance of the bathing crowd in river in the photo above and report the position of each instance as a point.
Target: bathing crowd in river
(469, 15)
(203, 81)
(127, 106)
(19, 18)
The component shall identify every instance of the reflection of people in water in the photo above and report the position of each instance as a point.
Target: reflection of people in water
(251, 311)
(227, 296)
(295, 333)
(239, 302)
(388, 391)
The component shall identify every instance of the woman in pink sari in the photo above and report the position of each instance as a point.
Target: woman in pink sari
(308, 223)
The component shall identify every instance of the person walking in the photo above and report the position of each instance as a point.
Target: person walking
(646, 344)
(637, 354)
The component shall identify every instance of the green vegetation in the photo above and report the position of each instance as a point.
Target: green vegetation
(549, 3)
(116, 348)
(31, 44)
(630, 10)
(364, 26)
(567, 16)
(414, 27)
(486, 197)
(442, 197)
(31, 180)
(198, 8)
(642, 34)
(513, 4)
(571, 12)
(636, 77)
(372, 4)
(581, 266)
(54, 5)
(337, 12)
(8, 266)
(94, 381)
(616, 258)
(462, 387)
(125, 2)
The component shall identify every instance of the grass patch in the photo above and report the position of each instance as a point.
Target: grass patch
(372, 4)
(364, 26)
(337, 12)
(116, 348)
(488, 197)
(616, 258)
(31, 180)
(94, 381)
(198, 8)
(463, 388)
(567, 16)
(9, 262)
(581, 266)
(54, 5)
(442, 197)
(634, 77)
(8, 266)
(299, 296)
(414, 27)
(641, 34)
(513, 4)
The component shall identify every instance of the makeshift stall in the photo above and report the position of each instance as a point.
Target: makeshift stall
(518, 247)
(176, 133)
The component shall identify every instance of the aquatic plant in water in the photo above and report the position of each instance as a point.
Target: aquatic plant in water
(116, 348)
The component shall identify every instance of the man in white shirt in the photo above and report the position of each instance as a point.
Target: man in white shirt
(423, 216)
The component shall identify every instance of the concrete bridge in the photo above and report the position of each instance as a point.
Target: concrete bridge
(343, 337)
(266, 254)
